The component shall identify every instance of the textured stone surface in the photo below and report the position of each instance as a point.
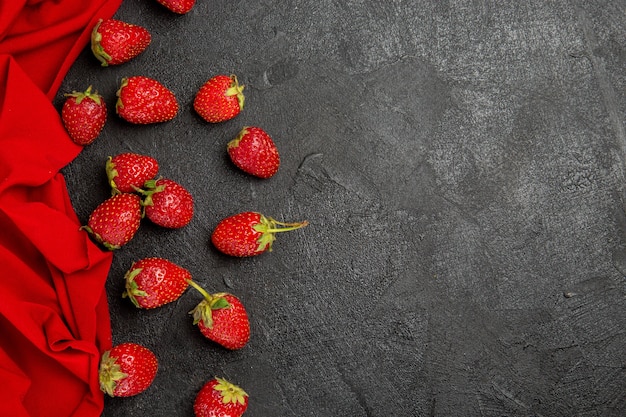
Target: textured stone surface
(461, 165)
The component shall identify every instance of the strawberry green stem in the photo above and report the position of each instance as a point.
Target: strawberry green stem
(285, 227)
(267, 227)
(201, 290)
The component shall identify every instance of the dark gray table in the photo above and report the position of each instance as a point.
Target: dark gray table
(461, 165)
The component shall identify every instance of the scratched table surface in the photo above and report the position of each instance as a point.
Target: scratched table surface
(461, 165)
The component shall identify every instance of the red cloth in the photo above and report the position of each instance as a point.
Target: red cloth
(54, 318)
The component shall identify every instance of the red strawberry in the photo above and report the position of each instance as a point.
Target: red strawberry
(143, 100)
(249, 233)
(167, 203)
(178, 6)
(221, 318)
(129, 171)
(115, 221)
(254, 152)
(219, 99)
(154, 282)
(219, 397)
(127, 369)
(114, 42)
(84, 115)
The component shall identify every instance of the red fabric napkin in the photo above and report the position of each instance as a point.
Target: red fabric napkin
(54, 318)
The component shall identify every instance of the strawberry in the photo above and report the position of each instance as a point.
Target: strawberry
(167, 203)
(154, 282)
(114, 42)
(249, 233)
(218, 397)
(115, 221)
(219, 99)
(221, 318)
(143, 100)
(178, 6)
(129, 171)
(127, 369)
(254, 152)
(84, 115)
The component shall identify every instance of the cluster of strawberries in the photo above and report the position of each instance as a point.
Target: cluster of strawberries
(136, 193)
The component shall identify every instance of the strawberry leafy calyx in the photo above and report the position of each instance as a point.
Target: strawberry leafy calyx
(267, 226)
(96, 47)
(236, 90)
(110, 373)
(79, 96)
(119, 103)
(111, 174)
(132, 289)
(230, 392)
(235, 142)
(99, 239)
(204, 310)
(150, 188)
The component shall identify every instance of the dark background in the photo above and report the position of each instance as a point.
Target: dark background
(461, 164)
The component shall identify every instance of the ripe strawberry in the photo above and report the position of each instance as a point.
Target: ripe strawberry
(114, 42)
(221, 318)
(220, 98)
(127, 369)
(84, 115)
(167, 203)
(154, 282)
(143, 100)
(178, 6)
(218, 397)
(115, 221)
(254, 152)
(129, 171)
(249, 233)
